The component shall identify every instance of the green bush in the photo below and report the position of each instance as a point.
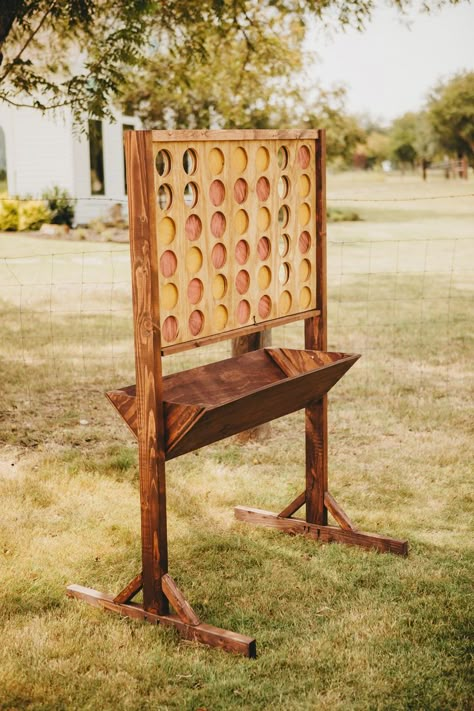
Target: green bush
(61, 206)
(8, 214)
(32, 214)
(342, 214)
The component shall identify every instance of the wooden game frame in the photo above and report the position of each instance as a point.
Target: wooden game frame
(166, 425)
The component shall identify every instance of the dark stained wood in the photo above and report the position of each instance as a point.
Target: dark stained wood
(293, 506)
(238, 332)
(146, 313)
(338, 513)
(325, 534)
(316, 339)
(130, 590)
(240, 393)
(179, 602)
(247, 344)
(205, 634)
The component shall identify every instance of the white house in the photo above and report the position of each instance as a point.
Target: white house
(39, 151)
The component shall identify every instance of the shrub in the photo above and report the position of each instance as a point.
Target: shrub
(61, 206)
(341, 214)
(8, 214)
(32, 214)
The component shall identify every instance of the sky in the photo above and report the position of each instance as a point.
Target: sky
(390, 67)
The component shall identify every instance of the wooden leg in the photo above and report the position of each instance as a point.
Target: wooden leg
(206, 634)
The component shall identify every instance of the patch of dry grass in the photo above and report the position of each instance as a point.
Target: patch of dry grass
(336, 627)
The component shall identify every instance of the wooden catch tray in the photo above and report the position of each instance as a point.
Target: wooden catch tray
(205, 404)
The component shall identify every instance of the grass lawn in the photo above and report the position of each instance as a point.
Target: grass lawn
(337, 628)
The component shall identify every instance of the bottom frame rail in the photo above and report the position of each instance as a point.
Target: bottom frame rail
(325, 534)
(206, 634)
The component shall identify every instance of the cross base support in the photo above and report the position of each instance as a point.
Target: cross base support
(206, 634)
(325, 534)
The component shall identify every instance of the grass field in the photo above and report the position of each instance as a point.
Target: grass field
(337, 628)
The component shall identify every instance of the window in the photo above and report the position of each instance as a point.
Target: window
(125, 127)
(96, 154)
(3, 163)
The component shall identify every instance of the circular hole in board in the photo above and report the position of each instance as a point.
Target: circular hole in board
(283, 245)
(304, 270)
(304, 156)
(264, 306)
(283, 215)
(220, 317)
(283, 186)
(193, 227)
(168, 296)
(195, 291)
(239, 160)
(263, 219)
(196, 322)
(168, 263)
(304, 242)
(263, 188)
(169, 329)
(189, 161)
(242, 281)
(216, 161)
(304, 185)
(284, 302)
(284, 273)
(165, 197)
(218, 224)
(243, 311)
(241, 222)
(242, 251)
(163, 162)
(305, 297)
(218, 255)
(240, 190)
(193, 260)
(262, 159)
(282, 157)
(264, 278)
(304, 213)
(217, 192)
(190, 194)
(264, 248)
(219, 286)
(166, 231)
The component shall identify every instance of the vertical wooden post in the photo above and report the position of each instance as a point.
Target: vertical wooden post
(316, 338)
(144, 257)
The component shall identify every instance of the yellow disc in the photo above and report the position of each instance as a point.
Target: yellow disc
(284, 303)
(304, 185)
(169, 296)
(216, 161)
(304, 213)
(220, 317)
(239, 160)
(304, 270)
(241, 222)
(219, 286)
(305, 297)
(263, 219)
(263, 159)
(166, 231)
(193, 260)
(264, 277)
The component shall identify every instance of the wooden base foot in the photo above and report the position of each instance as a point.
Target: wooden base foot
(326, 534)
(206, 634)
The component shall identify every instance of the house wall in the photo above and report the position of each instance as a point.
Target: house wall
(43, 150)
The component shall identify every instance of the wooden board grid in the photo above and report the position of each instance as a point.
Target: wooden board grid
(227, 257)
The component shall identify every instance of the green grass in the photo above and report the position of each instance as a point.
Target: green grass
(336, 627)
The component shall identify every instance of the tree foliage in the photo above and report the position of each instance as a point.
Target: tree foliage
(451, 114)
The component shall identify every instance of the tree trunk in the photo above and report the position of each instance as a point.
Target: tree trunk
(245, 344)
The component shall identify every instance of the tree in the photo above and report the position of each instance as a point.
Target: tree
(403, 139)
(74, 52)
(451, 114)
